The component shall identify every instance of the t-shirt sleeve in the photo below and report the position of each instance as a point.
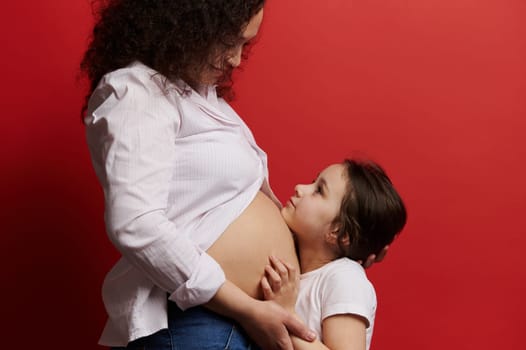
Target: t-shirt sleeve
(348, 291)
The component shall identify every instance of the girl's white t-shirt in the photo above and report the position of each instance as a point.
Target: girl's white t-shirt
(339, 287)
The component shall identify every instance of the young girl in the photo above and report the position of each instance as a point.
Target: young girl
(349, 212)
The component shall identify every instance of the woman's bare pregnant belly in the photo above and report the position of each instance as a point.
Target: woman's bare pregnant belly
(243, 249)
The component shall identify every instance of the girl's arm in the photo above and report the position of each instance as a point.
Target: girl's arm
(340, 332)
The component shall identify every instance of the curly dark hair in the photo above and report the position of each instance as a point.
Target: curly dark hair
(174, 37)
(372, 213)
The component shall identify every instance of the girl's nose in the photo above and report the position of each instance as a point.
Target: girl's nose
(298, 190)
(235, 59)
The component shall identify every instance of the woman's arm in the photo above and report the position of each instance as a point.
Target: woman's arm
(131, 129)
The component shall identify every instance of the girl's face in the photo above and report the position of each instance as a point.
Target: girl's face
(230, 57)
(311, 212)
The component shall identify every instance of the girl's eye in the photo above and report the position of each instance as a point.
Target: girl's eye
(318, 189)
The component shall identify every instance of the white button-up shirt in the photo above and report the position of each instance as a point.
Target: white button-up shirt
(176, 169)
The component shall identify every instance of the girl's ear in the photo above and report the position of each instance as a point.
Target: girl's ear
(332, 236)
(346, 240)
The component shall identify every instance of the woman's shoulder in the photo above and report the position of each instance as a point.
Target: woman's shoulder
(135, 86)
(136, 76)
(131, 93)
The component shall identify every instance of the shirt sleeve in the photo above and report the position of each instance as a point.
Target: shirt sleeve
(348, 291)
(131, 136)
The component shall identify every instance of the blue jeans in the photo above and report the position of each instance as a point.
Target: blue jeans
(196, 328)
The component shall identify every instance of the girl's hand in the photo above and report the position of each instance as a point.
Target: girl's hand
(371, 259)
(281, 283)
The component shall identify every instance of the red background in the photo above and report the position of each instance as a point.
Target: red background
(435, 90)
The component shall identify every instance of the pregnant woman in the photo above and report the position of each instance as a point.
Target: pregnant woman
(187, 200)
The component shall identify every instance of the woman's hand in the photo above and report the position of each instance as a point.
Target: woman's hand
(267, 323)
(281, 283)
(371, 259)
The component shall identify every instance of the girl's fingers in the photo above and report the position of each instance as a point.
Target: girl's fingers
(382, 254)
(267, 290)
(274, 278)
(293, 272)
(370, 261)
(278, 265)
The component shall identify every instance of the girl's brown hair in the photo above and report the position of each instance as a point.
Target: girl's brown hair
(372, 212)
